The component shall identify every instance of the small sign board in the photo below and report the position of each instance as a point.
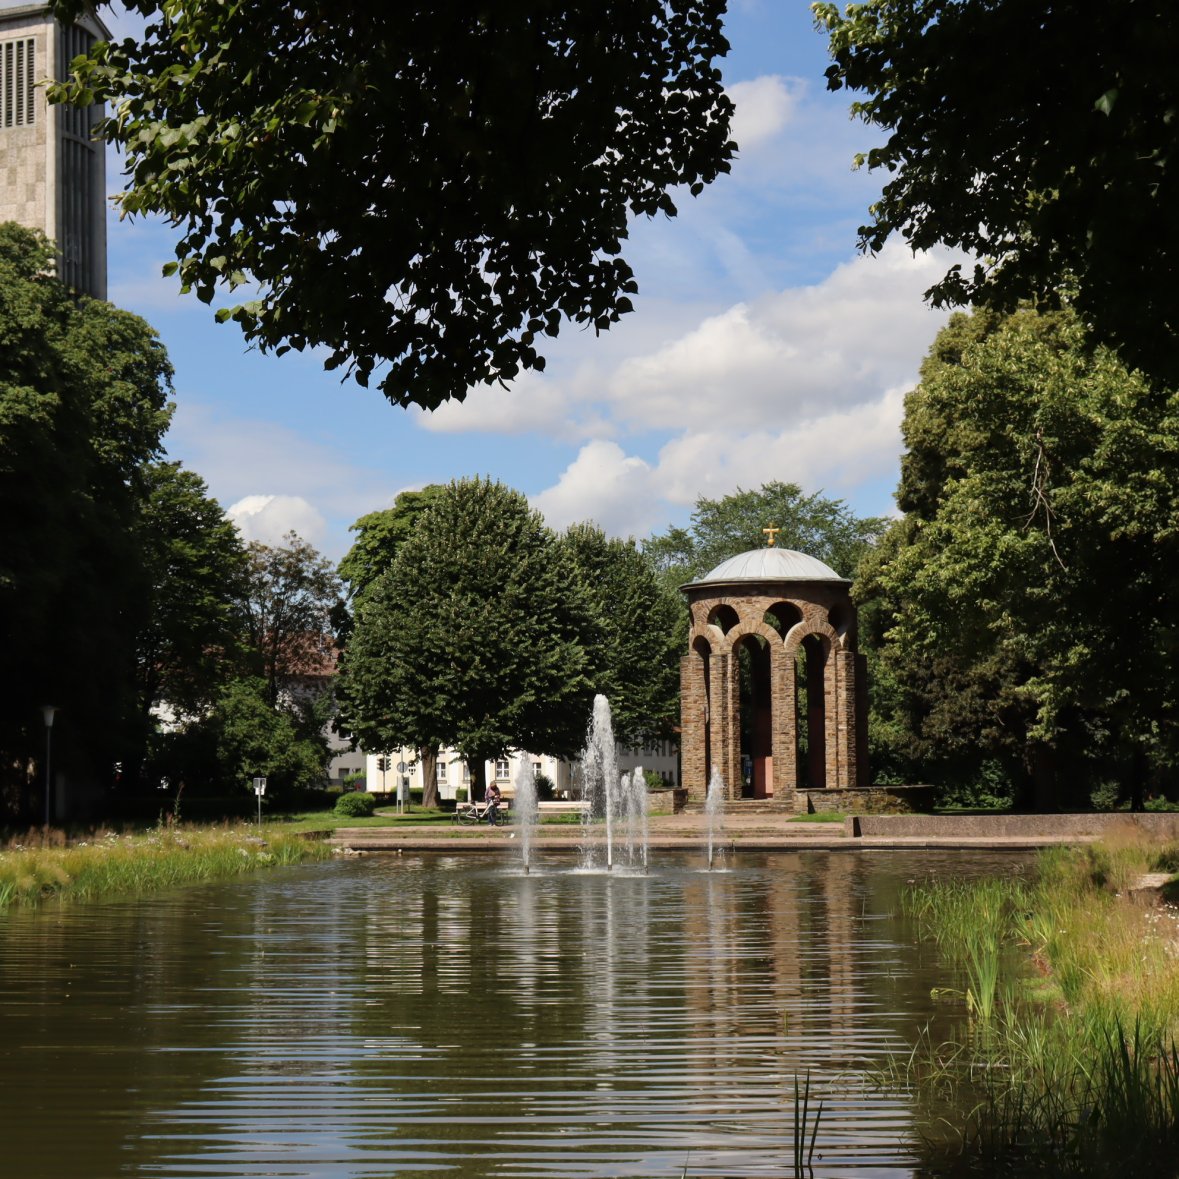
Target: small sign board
(401, 767)
(259, 786)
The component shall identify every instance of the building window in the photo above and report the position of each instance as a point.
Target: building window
(502, 769)
(442, 771)
(17, 77)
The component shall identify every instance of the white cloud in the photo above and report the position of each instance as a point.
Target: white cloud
(763, 107)
(789, 356)
(268, 518)
(528, 404)
(603, 484)
(627, 496)
(836, 451)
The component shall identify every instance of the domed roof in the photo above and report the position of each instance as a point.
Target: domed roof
(769, 565)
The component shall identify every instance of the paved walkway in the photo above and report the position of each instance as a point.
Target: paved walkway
(687, 832)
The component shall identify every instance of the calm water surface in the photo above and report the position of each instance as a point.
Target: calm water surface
(448, 1015)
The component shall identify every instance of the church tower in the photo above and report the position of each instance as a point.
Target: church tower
(52, 173)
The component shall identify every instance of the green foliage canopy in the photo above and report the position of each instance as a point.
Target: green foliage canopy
(722, 528)
(380, 534)
(636, 658)
(83, 406)
(291, 592)
(478, 637)
(1038, 137)
(428, 187)
(1028, 598)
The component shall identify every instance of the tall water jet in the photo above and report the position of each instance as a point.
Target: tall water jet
(635, 794)
(714, 811)
(600, 779)
(524, 808)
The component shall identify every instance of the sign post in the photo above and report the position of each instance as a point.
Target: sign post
(259, 790)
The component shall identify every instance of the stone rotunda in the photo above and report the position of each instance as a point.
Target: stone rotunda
(772, 691)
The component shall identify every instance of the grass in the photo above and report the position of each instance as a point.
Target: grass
(1066, 1060)
(110, 864)
(819, 817)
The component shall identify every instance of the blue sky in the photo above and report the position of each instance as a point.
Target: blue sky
(763, 346)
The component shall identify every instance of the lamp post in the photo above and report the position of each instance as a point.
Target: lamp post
(48, 711)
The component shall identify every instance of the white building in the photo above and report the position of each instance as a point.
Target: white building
(453, 775)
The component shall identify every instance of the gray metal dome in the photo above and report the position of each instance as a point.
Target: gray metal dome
(769, 565)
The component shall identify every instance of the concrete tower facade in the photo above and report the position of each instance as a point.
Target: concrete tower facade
(52, 172)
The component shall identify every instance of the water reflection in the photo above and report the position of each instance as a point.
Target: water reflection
(442, 1014)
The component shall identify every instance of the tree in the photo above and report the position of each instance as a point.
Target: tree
(243, 737)
(477, 637)
(425, 186)
(721, 528)
(194, 565)
(636, 658)
(378, 537)
(1028, 598)
(83, 406)
(290, 595)
(1039, 138)
(380, 534)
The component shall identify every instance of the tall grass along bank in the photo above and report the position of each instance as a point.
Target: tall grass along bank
(108, 864)
(1062, 1000)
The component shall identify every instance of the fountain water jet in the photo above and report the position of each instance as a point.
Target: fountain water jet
(616, 798)
(524, 809)
(714, 811)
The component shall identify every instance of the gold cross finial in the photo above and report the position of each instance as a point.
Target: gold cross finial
(772, 533)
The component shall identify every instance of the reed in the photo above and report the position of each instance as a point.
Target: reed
(110, 864)
(1085, 1083)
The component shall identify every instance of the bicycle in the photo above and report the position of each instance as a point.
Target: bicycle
(476, 812)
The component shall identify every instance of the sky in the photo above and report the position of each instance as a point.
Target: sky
(763, 347)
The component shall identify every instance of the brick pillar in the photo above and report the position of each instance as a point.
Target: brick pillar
(726, 732)
(845, 720)
(693, 775)
(785, 741)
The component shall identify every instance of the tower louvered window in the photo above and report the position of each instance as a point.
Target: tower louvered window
(17, 77)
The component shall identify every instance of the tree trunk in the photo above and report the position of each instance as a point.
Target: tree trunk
(1044, 778)
(428, 757)
(478, 767)
(1138, 778)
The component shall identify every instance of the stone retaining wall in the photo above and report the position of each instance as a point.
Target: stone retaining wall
(1162, 825)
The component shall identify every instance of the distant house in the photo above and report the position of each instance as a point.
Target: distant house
(453, 775)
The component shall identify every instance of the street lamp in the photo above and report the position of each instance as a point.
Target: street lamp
(48, 711)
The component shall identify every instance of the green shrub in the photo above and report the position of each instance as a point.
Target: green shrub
(1105, 796)
(461, 794)
(355, 805)
(545, 790)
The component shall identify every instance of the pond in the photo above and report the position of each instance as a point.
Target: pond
(448, 1015)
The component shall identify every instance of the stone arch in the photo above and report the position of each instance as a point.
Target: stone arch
(753, 665)
(724, 617)
(812, 664)
(782, 616)
(702, 649)
(842, 619)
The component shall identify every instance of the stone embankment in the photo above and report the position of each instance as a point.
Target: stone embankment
(768, 832)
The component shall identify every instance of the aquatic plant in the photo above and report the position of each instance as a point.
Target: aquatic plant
(1067, 1063)
(107, 863)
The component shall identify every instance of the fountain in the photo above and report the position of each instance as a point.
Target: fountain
(611, 796)
(524, 809)
(714, 811)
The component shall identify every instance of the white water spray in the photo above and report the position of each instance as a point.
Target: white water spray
(618, 799)
(714, 811)
(524, 807)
